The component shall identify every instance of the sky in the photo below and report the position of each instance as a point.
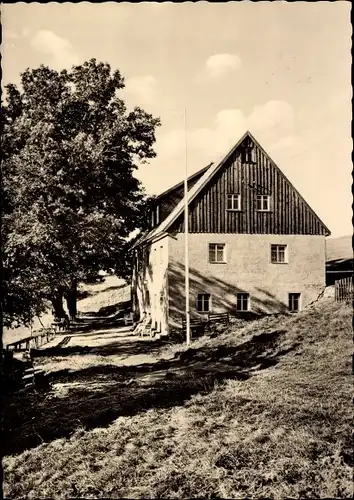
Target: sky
(211, 71)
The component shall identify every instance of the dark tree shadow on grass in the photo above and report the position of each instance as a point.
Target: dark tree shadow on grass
(107, 392)
(122, 348)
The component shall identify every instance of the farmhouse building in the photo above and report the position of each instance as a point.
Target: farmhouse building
(255, 245)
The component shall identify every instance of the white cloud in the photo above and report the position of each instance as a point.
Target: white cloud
(273, 115)
(220, 65)
(141, 89)
(9, 34)
(60, 50)
(306, 158)
(271, 123)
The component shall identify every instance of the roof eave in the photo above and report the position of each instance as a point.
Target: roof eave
(190, 178)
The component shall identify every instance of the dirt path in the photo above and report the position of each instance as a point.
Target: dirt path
(109, 292)
(110, 345)
(98, 376)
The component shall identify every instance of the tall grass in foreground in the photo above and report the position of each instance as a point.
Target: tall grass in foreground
(284, 432)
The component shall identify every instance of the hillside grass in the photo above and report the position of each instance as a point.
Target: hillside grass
(110, 292)
(281, 430)
(99, 295)
(339, 248)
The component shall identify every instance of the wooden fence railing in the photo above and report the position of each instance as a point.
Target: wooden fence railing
(344, 290)
(34, 341)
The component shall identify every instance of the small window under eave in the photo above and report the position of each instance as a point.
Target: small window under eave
(247, 155)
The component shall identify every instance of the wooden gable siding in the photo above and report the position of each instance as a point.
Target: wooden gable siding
(289, 214)
(171, 199)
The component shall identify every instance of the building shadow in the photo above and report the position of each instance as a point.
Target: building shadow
(223, 296)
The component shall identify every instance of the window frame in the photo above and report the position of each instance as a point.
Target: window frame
(155, 216)
(233, 195)
(262, 197)
(293, 295)
(242, 301)
(216, 253)
(247, 155)
(203, 302)
(286, 253)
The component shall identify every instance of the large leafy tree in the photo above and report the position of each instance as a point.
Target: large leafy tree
(70, 198)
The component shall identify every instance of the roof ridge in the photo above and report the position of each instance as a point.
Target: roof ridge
(289, 181)
(193, 192)
(208, 174)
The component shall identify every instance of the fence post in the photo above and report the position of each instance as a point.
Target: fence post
(343, 290)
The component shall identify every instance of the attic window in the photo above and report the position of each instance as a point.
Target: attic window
(247, 155)
(263, 203)
(233, 202)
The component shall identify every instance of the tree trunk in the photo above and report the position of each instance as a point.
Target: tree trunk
(71, 300)
(58, 309)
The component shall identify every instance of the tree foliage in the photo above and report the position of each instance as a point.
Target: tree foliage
(70, 198)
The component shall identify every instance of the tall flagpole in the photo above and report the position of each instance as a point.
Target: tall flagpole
(186, 256)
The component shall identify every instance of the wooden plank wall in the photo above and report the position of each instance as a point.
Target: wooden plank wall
(288, 213)
(168, 202)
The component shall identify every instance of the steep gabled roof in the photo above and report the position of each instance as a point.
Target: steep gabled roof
(145, 236)
(180, 184)
(290, 183)
(162, 228)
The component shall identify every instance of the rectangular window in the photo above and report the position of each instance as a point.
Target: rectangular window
(204, 302)
(161, 255)
(233, 202)
(294, 302)
(247, 155)
(217, 252)
(155, 216)
(242, 303)
(263, 202)
(278, 254)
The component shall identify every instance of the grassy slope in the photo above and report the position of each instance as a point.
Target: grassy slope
(108, 293)
(339, 248)
(282, 432)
